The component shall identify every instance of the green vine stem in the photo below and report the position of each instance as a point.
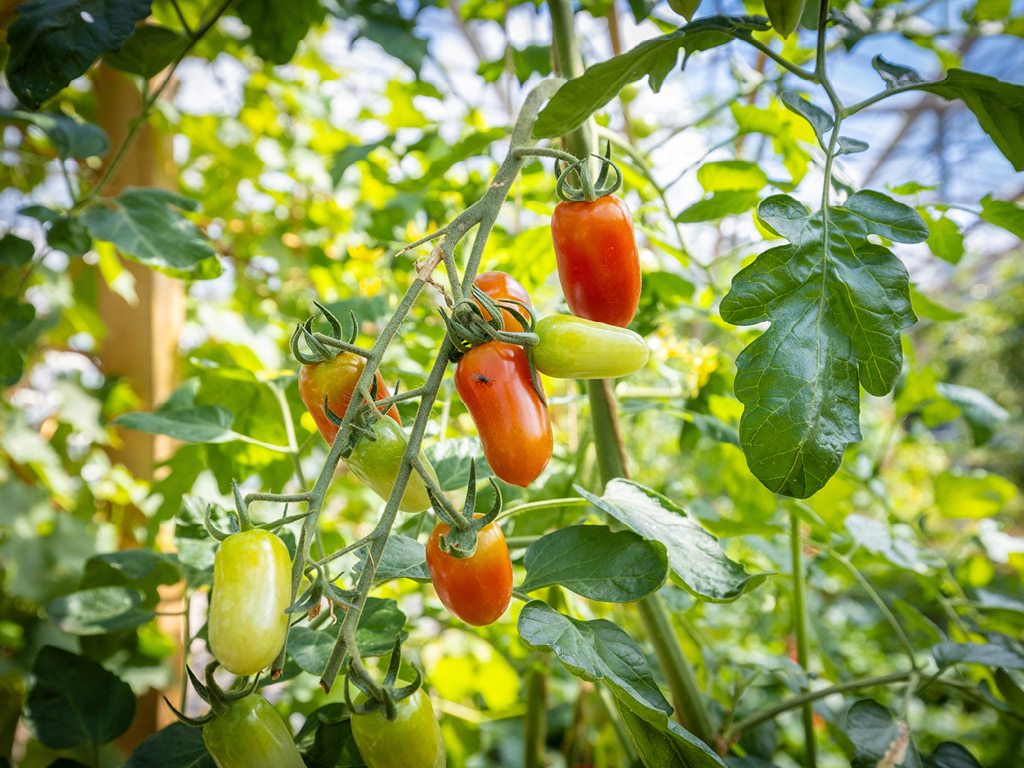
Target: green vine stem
(536, 728)
(800, 630)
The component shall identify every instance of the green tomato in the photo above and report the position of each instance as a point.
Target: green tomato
(376, 463)
(251, 590)
(251, 734)
(784, 15)
(412, 741)
(574, 348)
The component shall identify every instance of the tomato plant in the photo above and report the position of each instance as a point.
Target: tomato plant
(251, 734)
(335, 380)
(598, 261)
(376, 461)
(413, 740)
(574, 348)
(494, 382)
(501, 285)
(476, 589)
(251, 590)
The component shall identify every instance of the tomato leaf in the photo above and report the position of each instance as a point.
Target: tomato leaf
(879, 739)
(98, 611)
(14, 251)
(836, 303)
(201, 424)
(984, 415)
(148, 51)
(1003, 213)
(579, 98)
(72, 700)
(326, 741)
(275, 28)
(949, 754)
(70, 137)
(1008, 656)
(595, 650)
(597, 563)
(945, 240)
(820, 120)
(666, 744)
(978, 495)
(146, 225)
(176, 746)
(403, 558)
(695, 556)
(379, 625)
(54, 41)
(451, 459)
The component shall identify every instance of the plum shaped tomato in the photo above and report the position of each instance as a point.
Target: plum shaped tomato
(251, 734)
(412, 741)
(251, 590)
(598, 263)
(335, 379)
(476, 589)
(574, 348)
(494, 382)
(376, 464)
(501, 285)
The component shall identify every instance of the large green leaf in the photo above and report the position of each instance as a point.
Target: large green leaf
(276, 28)
(836, 303)
(384, 24)
(148, 51)
(403, 558)
(579, 98)
(949, 754)
(70, 137)
(879, 739)
(379, 625)
(668, 746)
(98, 611)
(176, 746)
(983, 414)
(146, 225)
(201, 424)
(597, 563)
(54, 41)
(595, 650)
(1008, 656)
(999, 107)
(72, 700)
(694, 555)
(14, 251)
(1003, 213)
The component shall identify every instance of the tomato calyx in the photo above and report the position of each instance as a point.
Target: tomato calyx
(239, 519)
(460, 541)
(322, 346)
(366, 416)
(380, 696)
(587, 190)
(212, 693)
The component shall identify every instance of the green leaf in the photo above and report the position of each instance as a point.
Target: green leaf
(976, 496)
(926, 307)
(70, 137)
(72, 700)
(579, 98)
(527, 61)
(67, 234)
(894, 75)
(836, 303)
(54, 41)
(878, 738)
(999, 107)
(149, 51)
(595, 650)
(714, 428)
(142, 569)
(597, 563)
(949, 754)
(451, 459)
(276, 28)
(384, 24)
(176, 746)
(380, 625)
(1002, 213)
(875, 536)
(15, 252)
(984, 415)
(641, 9)
(848, 146)
(718, 206)
(944, 240)
(144, 224)
(326, 741)
(695, 555)
(989, 654)
(202, 424)
(98, 611)
(668, 746)
(820, 120)
(348, 156)
(403, 558)
(732, 176)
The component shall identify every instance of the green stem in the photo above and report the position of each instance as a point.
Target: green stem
(536, 726)
(534, 506)
(611, 455)
(860, 105)
(800, 630)
(580, 142)
(748, 724)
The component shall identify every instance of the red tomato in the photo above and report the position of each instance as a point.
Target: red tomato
(501, 285)
(493, 381)
(598, 263)
(476, 589)
(336, 379)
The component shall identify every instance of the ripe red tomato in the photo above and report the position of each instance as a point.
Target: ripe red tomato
(598, 263)
(476, 589)
(501, 285)
(335, 379)
(493, 381)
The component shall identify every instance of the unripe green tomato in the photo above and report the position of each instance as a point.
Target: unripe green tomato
(251, 590)
(574, 348)
(412, 741)
(784, 15)
(376, 464)
(251, 734)
(685, 8)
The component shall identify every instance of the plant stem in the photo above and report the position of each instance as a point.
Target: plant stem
(800, 630)
(536, 727)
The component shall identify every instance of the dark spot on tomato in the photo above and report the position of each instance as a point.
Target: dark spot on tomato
(479, 379)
